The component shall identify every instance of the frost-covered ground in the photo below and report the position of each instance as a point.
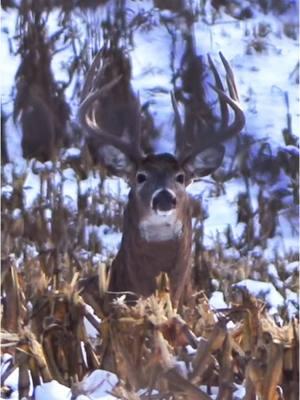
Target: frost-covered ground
(265, 79)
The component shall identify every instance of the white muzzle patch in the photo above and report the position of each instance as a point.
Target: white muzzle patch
(161, 226)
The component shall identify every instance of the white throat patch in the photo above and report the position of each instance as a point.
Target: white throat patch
(161, 226)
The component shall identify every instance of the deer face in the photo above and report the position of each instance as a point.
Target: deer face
(158, 181)
(158, 192)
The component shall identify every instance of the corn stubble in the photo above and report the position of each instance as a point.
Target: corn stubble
(143, 343)
(48, 295)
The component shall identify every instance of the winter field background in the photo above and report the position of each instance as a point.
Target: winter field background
(61, 223)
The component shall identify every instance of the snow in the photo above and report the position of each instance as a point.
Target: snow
(265, 83)
(182, 368)
(89, 185)
(293, 267)
(151, 78)
(292, 303)
(285, 243)
(52, 391)
(70, 189)
(107, 237)
(240, 393)
(7, 69)
(5, 359)
(265, 291)
(274, 276)
(97, 385)
(6, 192)
(217, 301)
(12, 382)
(261, 89)
(92, 332)
(190, 350)
(117, 188)
(17, 213)
(31, 189)
(254, 73)
(71, 153)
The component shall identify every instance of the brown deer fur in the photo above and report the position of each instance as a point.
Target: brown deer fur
(139, 262)
(157, 232)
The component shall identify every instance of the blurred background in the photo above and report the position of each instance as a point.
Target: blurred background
(62, 214)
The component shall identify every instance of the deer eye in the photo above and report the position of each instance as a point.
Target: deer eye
(141, 177)
(180, 177)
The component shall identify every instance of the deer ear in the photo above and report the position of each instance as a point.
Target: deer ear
(205, 162)
(116, 162)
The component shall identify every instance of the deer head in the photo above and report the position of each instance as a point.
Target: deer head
(157, 222)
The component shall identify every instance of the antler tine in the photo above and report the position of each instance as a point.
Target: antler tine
(91, 94)
(91, 75)
(136, 135)
(239, 116)
(219, 84)
(226, 131)
(179, 126)
(229, 78)
(239, 120)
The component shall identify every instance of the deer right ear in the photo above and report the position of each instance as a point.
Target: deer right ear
(116, 162)
(205, 162)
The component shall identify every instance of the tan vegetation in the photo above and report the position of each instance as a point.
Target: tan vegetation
(45, 309)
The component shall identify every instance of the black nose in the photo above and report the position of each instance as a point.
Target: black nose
(164, 200)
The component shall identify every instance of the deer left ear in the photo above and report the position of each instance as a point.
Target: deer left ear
(205, 162)
(116, 162)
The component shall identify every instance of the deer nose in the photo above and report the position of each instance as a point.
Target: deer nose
(163, 200)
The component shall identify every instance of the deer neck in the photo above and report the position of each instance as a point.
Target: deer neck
(153, 228)
(141, 260)
(161, 228)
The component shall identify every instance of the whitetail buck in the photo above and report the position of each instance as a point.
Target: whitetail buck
(157, 233)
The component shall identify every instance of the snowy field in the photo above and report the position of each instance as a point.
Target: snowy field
(264, 59)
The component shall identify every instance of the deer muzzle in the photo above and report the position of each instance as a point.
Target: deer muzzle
(163, 201)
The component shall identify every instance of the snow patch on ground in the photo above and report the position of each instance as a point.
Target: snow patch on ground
(217, 301)
(265, 291)
(97, 385)
(264, 82)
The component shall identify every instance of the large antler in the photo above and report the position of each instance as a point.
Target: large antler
(226, 131)
(94, 91)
